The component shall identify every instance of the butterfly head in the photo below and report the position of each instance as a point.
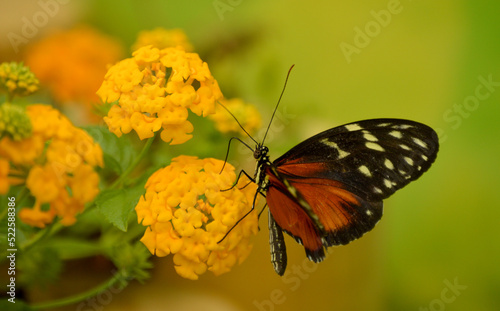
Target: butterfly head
(260, 152)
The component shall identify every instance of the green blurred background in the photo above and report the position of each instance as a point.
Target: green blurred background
(424, 61)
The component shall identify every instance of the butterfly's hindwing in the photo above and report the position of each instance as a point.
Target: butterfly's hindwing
(343, 215)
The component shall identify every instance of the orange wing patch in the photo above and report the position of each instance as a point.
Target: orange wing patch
(295, 168)
(334, 206)
(292, 218)
(344, 215)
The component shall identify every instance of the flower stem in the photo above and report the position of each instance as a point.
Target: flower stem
(54, 228)
(117, 278)
(137, 160)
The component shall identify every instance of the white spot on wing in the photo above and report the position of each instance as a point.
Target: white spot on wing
(374, 146)
(368, 212)
(389, 164)
(402, 126)
(387, 183)
(405, 147)
(424, 157)
(368, 136)
(420, 142)
(332, 144)
(377, 190)
(409, 160)
(365, 171)
(396, 134)
(353, 127)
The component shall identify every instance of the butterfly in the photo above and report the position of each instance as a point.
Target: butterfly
(329, 189)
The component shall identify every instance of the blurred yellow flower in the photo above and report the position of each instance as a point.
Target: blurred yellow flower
(187, 214)
(72, 64)
(154, 90)
(17, 79)
(163, 38)
(248, 116)
(14, 122)
(57, 162)
(4, 175)
(35, 217)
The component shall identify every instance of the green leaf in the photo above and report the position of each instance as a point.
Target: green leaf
(116, 205)
(118, 152)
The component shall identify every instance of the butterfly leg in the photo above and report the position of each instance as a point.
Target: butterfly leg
(239, 220)
(252, 180)
(229, 146)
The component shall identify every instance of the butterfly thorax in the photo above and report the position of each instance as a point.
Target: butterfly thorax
(261, 179)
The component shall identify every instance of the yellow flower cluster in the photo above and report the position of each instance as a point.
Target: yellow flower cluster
(154, 90)
(246, 114)
(58, 160)
(71, 63)
(17, 79)
(14, 121)
(187, 214)
(163, 38)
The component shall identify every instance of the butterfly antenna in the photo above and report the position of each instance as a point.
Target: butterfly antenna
(241, 126)
(276, 108)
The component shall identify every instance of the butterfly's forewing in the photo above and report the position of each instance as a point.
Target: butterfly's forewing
(342, 175)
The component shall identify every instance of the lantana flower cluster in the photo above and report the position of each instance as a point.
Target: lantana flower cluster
(246, 114)
(57, 163)
(187, 215)
(154, 89)
(17, 79)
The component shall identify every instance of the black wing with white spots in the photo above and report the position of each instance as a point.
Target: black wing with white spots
(372, 158)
